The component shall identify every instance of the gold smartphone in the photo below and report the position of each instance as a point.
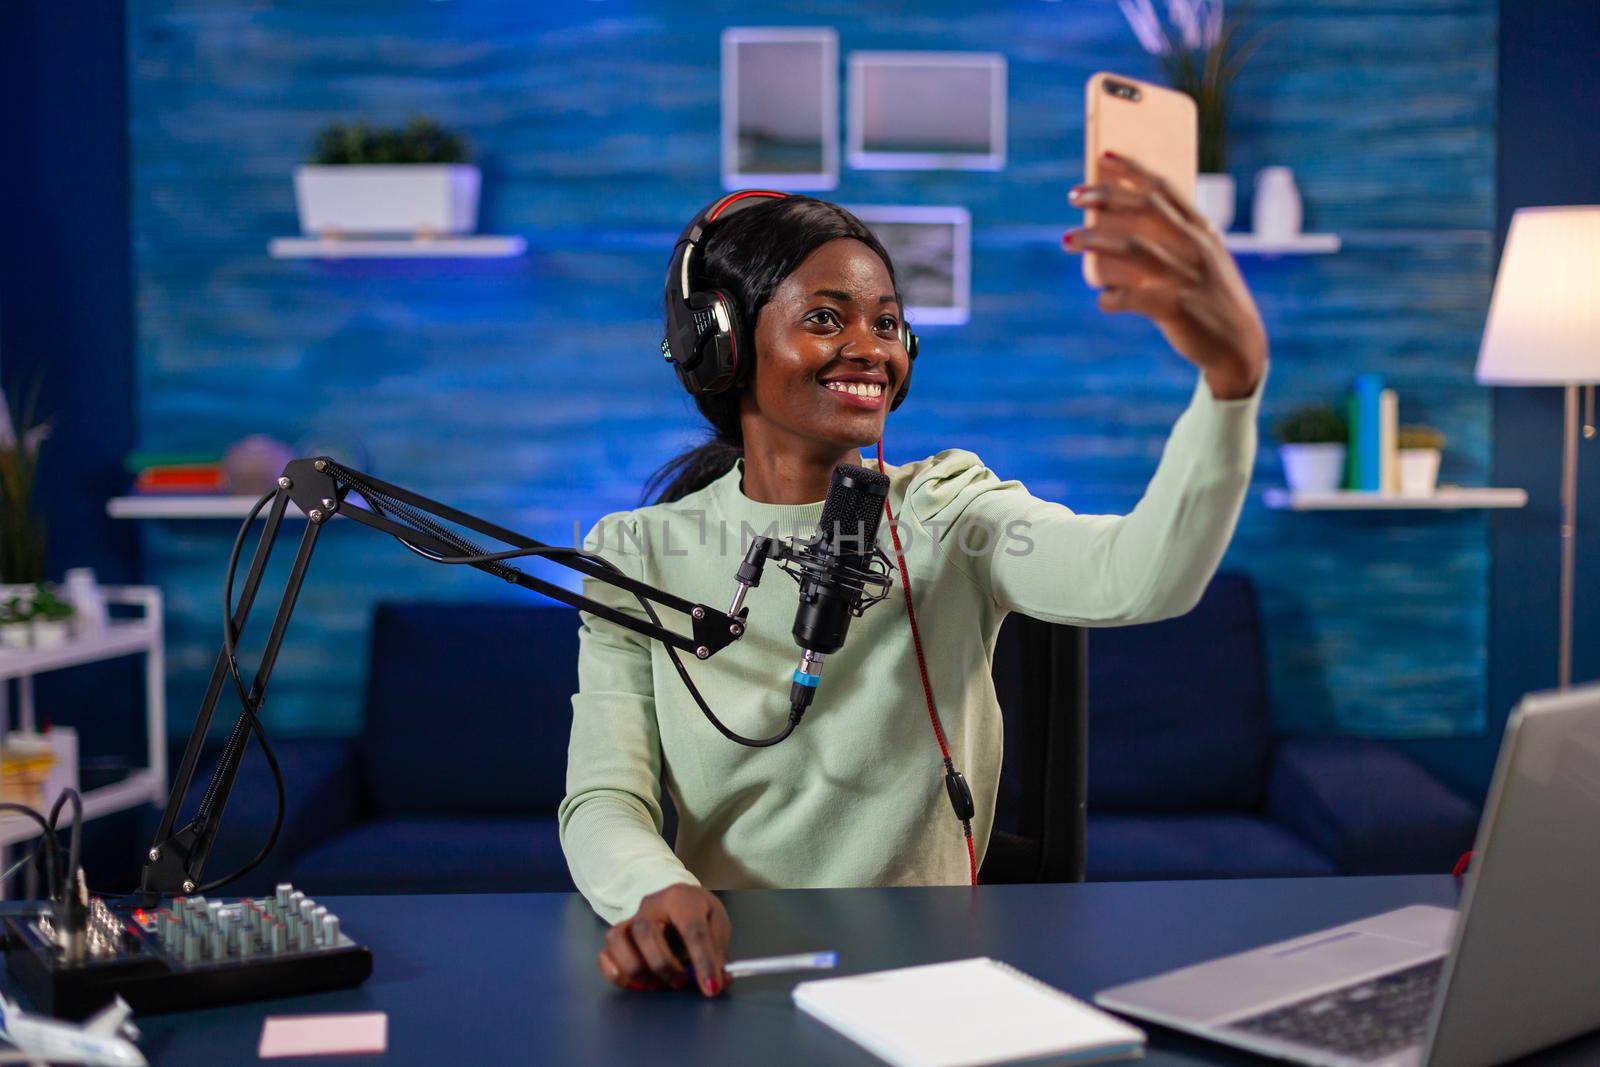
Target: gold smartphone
(1156, 127)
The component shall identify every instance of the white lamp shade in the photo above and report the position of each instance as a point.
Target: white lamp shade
(1544, 317)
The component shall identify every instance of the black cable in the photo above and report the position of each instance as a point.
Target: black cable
(649, 608)
(48, 838)
(75, 850)
(250, 716)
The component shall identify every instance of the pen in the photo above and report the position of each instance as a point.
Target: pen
(804, 961)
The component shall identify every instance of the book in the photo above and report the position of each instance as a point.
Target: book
(966, 1012)
(1389, 442)
(1366, 455)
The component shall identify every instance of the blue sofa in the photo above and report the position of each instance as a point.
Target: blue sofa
(454, 781)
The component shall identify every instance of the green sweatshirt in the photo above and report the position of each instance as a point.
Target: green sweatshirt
(855, 797)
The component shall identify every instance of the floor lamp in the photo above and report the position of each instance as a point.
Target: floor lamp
(1544, 329)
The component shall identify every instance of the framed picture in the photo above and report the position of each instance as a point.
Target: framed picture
(780, 107)
(932, 252)
(927, 111)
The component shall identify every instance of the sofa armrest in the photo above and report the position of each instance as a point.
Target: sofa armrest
(322, 793)
(1367, 807)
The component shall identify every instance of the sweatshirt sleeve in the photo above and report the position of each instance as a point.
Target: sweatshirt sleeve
(1043, 560)
(610, 820)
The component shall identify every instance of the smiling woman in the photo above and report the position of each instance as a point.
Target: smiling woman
(786, 323)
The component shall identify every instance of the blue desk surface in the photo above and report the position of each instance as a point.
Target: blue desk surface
(511, 978)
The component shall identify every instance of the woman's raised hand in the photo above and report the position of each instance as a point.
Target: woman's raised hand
(1159, 257)
(674, 927)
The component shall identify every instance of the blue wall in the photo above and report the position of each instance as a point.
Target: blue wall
(530, 390)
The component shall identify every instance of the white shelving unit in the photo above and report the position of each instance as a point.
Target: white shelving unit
(123, 637)
(1445, 499)
(1305, 244)
(480, 246)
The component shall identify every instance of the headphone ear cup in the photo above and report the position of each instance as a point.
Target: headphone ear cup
(909, 341)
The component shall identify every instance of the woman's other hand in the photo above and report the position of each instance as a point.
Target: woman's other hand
(674, 928)
(1159, 257)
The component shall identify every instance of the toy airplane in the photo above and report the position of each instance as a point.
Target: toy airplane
(105, 1039)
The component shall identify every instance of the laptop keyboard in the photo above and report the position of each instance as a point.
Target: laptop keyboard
(1365, 1022)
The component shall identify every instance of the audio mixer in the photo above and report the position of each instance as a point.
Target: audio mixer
(191, 953)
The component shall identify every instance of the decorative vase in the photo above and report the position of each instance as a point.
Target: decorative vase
(1419, 471)
(16, 635)
(1214, 196)
(1275, 214)
(1312, 468)
(410, 199)
(89, 612)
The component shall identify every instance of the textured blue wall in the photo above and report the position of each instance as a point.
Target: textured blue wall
(531, 390)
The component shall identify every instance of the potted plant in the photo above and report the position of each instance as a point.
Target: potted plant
(364, 180)
(15, 615)
(1312, 444)
(51, 618)
(1421, 448)
(1200, 54)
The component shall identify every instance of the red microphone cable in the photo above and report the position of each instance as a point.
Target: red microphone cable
(927, 688)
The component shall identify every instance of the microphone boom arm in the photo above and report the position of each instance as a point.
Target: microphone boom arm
(322, 489)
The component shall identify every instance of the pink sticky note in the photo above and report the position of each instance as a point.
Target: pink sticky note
(324, 1035)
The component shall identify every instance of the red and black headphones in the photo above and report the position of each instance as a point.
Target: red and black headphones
(706, 343)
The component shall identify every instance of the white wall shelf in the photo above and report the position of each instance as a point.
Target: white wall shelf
(1445, 499)
(1305, 244)
(190, 506)
(482, 246)
(122, 637)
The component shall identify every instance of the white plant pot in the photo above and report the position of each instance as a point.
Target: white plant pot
(50, 633)
(402, 198)
(1419, 471)
(1312, 468)
(1277, 209)
(1214, 196)
(16, 635)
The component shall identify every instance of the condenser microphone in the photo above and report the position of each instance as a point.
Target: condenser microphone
(841, 573)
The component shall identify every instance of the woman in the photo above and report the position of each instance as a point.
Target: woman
(856, 796)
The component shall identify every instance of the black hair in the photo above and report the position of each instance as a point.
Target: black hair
(748, 255)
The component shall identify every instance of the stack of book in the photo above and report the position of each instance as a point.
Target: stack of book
(1373, 458)
(168, 473)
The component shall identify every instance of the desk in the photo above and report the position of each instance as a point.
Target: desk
(482, 980)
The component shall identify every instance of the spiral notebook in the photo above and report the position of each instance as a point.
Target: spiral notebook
(965, 1013)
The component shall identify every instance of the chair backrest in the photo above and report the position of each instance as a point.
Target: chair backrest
(1179, 718)
(469, 706)
(1041, 678)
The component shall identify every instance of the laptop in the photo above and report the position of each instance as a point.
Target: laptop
(1515, 970)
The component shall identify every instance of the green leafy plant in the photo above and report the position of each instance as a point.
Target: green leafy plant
(49, 607)
(422, 140)
(16, 609)
(1420, 437)
(22, 534)
(1319, 425)
(1200, 54)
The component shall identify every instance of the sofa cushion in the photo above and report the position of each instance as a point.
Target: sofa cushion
(437, 854)
(1133, 848)
(1178, 717)
(1368, 807)
(469, 707)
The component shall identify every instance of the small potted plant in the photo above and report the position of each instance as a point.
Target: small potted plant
(1421, 448)
(51, 619)
(15, 615)
(413, 181)
(1312, 445)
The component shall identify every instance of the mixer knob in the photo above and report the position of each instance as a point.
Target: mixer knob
(280, 938)
(330, 930)
(281, 898)
(191, 947)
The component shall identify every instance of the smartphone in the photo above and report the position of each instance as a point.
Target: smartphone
(1156, 127)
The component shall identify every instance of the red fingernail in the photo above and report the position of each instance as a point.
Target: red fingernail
(1069, 239)
(710, 986)
(636, 986)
